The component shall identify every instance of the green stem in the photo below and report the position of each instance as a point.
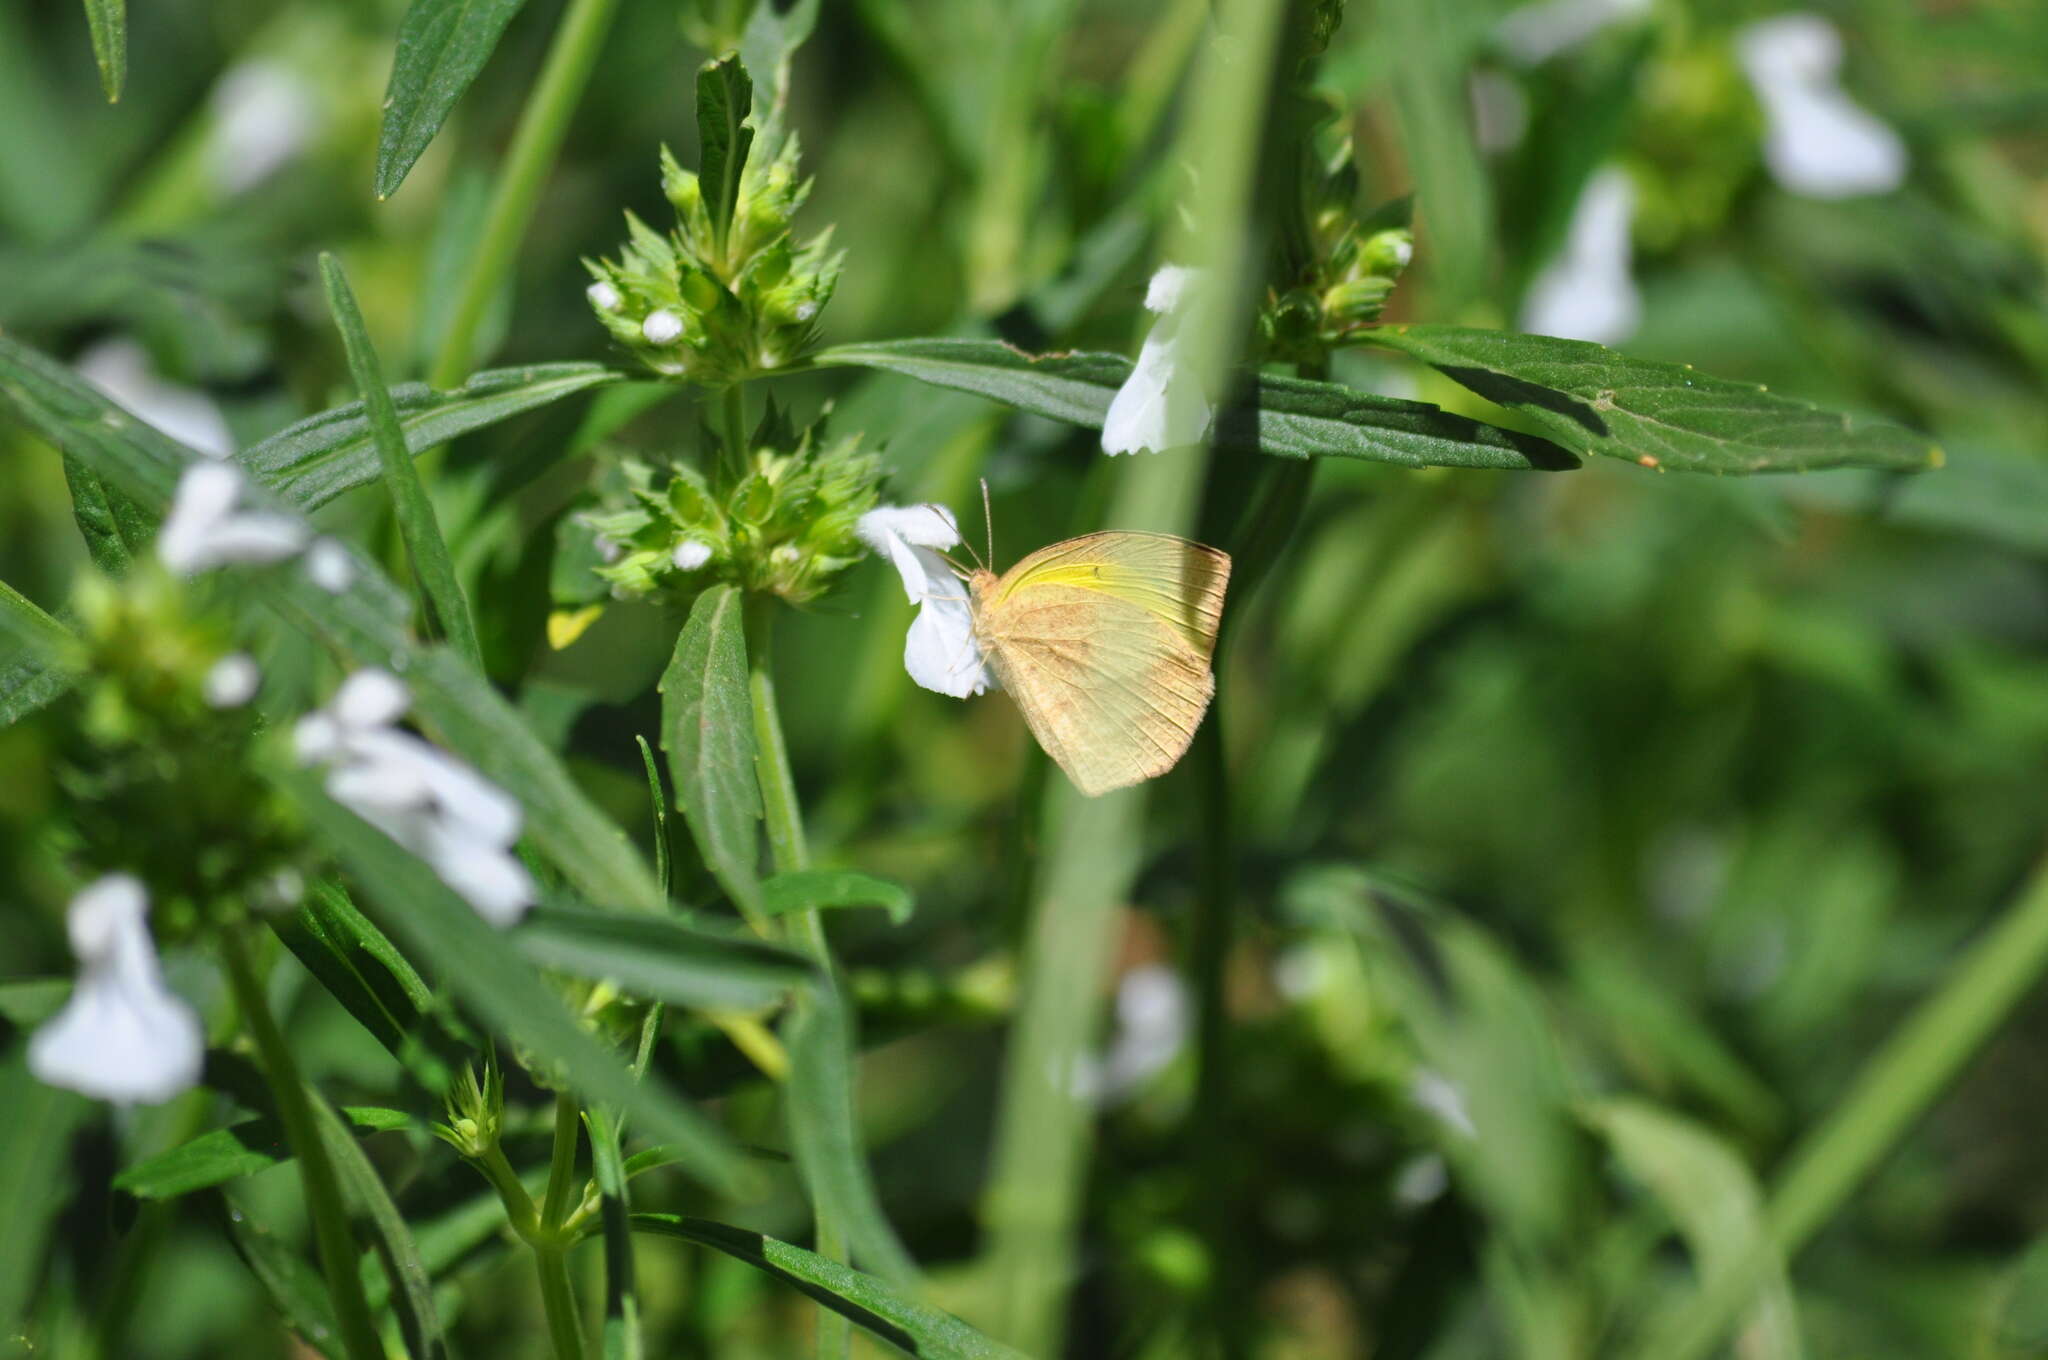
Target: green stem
(558, 1300)
(339, 1259)
(734, 406)
(1895, 1088)
(563, 1184)
(557, 1290)
(538, 137)
(786, 844)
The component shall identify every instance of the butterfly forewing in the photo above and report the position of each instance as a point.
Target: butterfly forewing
(1104, 641)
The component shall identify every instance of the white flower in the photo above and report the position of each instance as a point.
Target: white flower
(940, 651)
(691, 554)
(662, 327)
(1587, 292)
(434, 805)
(1444, 1098)
(329, 567)
(263, 117)
(1818, 142)
(123, 1036)
(204, 530)
(232, 681)
(603, 296)
(1161, 405)
(1151, 1026)
(122, 369)
(1535, 33)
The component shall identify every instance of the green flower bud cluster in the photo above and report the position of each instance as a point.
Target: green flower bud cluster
(1353, 267)
(476, 1112)
(721, 298)
(159, 758)
(782, 524)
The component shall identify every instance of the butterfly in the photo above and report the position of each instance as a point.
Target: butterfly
(1104, 641)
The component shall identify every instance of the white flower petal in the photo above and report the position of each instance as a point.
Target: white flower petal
(254, 538)
(316, 737)
(603, 296)
(661, 327)
(371, 697)
(691, 554)
(1160, 406)
(123, 1035)
(1536, 33)
(1818, 142)
(382, 788)
(1588, 291)
(1168, 288)
(923, 526)
(470, 802)
(263, 117)
(206, 495)
(232, 681)
(122, 369)
(488, 877)
(940, 651)
(329, 566)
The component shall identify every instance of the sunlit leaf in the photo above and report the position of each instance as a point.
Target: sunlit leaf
(816, 889)
(662, 959)
(707, 724)
(442, 44)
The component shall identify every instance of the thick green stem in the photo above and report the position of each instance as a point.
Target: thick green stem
(558, 1299)
(339, 1258)
(1894, 1089)
(786, 844)
(539, 136)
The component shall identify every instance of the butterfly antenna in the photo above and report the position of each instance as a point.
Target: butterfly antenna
(988, 522)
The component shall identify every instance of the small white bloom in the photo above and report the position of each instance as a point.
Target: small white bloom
(232, 682)
(806, 310)
(603, 296)
(488, 877)
(329, 566)
(370, 698)
(1818, 142)
(662, 327)
(1588, 292)
(1161, 404)
(1151, 1027)
(122, 369)
(940, 651)
(204, 530)
(123, 1036)
(691, 554)
(1442, 1097)
(263, 117)
(1535, 33)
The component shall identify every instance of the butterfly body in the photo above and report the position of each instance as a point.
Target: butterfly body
(1105, 642)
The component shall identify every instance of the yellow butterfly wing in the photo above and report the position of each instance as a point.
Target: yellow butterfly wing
(1104, 641)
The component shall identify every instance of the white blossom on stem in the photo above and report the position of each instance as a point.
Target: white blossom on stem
(1819, 142)
(1162, 404)
(204, 529)
(940, 651)
(123, 1036)
(1588, 291)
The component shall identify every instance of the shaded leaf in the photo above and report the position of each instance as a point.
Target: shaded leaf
(774, 31)
(725, 95)
(1593, 400)
(911, 1327)
(1286, 417)
(813, 889)
(313, 461)
(27, 1002)
(35, 1139)
(108, 21)
(221, 1155)
(115, 529)
(294, 1286)
(412, 1292)
(707, 723)
(660, 958)
(35, 660)
(442, 44)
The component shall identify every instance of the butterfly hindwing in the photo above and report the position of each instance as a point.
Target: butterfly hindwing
(1105, 641)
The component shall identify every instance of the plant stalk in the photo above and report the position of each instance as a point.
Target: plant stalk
(542, 125)
(339, 1258)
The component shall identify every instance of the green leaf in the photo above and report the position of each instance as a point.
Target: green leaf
(662, 959)
(1286, 417)
(36, 665)
(221, 1155)
(911, 1327)
(2021, 1312)
(725, 95)
(774, 31)
(412, 1288)
(416, 523)
(114, 527)
(482, 968)
(707, 723)
(1714, 1202)
(365, 623)
(1593, 400)
(659, 802)
(27, 1002)
(296, 1289)
(108, 20)
(35, 1154)
(810, 889)
(824, 1132)
(442, 44)
(621, 1334)
(313, 461)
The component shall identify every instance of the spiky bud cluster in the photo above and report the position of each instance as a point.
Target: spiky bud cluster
(1355, 263)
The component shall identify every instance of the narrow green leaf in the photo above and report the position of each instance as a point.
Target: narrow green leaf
(1595, 401)
(621, 1335)
(442, 44)
(108, 20)
(870, 1303)
(707, 723)
(774, 32)
(1286, 417)
(365, 623)
(221, 1155)
(659, 801)
(36, 659)
(662, 959)
(35, 1139)
(416, 522)
(313, 461)
(412, 1288)
(295, 1288)
(725, 96)
(490, 977)
(824, 1132)
(809, 889)
(115, 529)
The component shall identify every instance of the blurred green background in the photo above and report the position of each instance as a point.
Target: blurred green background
(1595, 827)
